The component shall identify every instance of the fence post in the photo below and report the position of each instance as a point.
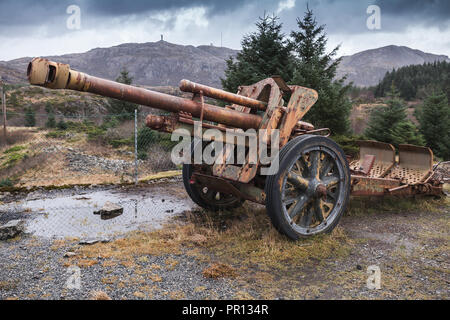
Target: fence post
(3, 97)
(136, 172)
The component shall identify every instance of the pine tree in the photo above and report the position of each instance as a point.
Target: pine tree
(434, 119)
(390, 123)
(12, 101)
(316, 69)
(51, 121)
(30, 117)
(265, 53)
(124, 109)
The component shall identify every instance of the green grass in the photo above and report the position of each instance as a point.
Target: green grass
(360, 206)
(13, 158)
(15, 149)
(6, 183)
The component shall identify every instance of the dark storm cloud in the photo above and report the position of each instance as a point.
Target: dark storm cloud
(29, 12)
(403, 13)
(341, 16)
(120, 7)
(433, 9)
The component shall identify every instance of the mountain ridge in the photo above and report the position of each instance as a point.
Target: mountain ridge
(165, 64)
(368, 67)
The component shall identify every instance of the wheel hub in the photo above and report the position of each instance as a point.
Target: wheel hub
(321, 191)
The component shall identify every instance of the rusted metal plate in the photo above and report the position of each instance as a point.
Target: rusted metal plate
(366, 186)
(384, 154)
(414, 166)
(377, 172)
(242, 191)
(301, 101)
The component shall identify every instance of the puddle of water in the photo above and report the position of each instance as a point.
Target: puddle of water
(72, 215)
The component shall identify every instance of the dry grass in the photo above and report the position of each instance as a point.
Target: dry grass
(219, 270)
(16, 136)
(244, 237)
(8, 285)
(379, 205)
(99, 295)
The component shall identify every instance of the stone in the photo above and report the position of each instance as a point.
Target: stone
(69, 254)
(94, 241)
(11, 229)
(89, 241)
(109, 211)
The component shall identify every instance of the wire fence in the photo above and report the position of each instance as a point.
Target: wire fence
(72, 167)
(44, 150)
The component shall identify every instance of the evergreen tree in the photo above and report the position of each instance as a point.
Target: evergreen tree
(12, 101)
(416, 81)
(51, 121)
(434, 119)
(316, 69)
(124, 109)
(264, 53)
(390, 124)
(30, 117)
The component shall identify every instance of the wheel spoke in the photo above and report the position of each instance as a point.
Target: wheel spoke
(318, 210)
(332, 195)
(301, 165)
(330, 181)
(307, 218)
(295, 209)
(327, 204)
(326, 167)
(298, 181)
(314, 159)
(289, 201)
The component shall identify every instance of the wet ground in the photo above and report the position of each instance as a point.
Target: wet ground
(409, 245)
(70, 213)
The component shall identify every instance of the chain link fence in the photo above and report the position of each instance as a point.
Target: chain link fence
(49, 150)
(71, 167)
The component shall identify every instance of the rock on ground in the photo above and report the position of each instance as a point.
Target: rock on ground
(11, 229)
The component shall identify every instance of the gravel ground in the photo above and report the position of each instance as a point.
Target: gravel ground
(410, 246)
(32, 269)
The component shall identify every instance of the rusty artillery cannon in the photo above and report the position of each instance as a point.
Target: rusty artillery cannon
(310, 190)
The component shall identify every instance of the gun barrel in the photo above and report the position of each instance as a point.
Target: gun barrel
(45, 73)
(189, 86)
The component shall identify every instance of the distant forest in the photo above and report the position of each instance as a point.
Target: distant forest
(416, 81)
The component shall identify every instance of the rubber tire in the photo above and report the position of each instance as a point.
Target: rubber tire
(272, 188)
(194, 193)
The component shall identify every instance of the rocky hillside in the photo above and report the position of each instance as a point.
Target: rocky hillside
(165, 64)
(12, 74)
(368, 67)
(152, 64)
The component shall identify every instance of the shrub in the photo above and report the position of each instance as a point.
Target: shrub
(348, 144)
(30, 117)
(148, 137)
(142, 155)
(51, 121)
(62, 125)
(6, 183)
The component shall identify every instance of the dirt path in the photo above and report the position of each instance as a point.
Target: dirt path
(238, 255)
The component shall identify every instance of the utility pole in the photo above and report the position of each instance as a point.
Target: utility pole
(3, 95)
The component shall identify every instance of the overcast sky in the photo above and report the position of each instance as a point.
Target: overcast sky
(39, 28)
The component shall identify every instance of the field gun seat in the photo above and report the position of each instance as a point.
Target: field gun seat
(414, 164)
(375, 159)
